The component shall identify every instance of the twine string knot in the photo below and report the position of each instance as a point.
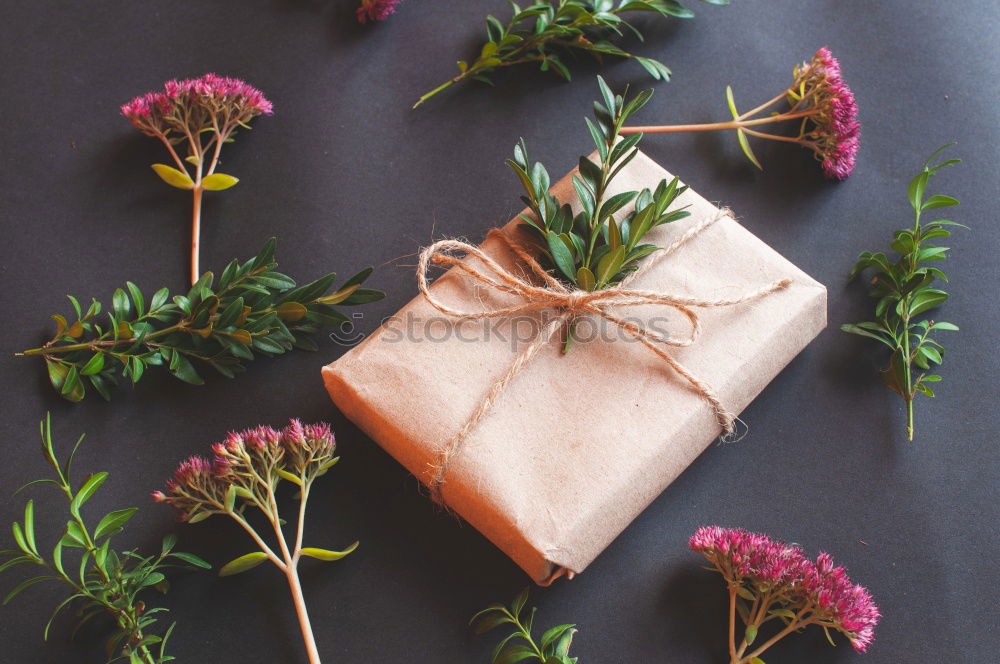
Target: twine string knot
(552, 293)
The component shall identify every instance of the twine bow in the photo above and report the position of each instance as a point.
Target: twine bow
(570, 303)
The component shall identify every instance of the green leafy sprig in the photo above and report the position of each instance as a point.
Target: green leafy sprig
(252, 309)
(546, 32)
(102, 581)
(520, 645)
(593, 250)
(905, 289)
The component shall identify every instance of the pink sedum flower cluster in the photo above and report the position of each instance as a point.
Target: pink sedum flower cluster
(375, 10)
(835, 131)
(782, 576)
(194, 104)
(252, 461)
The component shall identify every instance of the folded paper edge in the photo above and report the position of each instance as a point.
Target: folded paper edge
(356, 408)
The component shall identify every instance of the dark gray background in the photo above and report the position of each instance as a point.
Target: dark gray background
(346, 175)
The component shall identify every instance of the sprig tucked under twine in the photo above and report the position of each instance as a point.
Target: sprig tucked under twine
(571, 303)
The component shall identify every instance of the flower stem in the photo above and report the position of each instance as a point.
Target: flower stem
(714, 126)
(791, 627)
(196, 234)
(292, 574)
(732, 625)
(444, 86)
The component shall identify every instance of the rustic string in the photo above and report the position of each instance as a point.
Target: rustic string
(554, 294)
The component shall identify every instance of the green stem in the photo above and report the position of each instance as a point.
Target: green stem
(292, 575)
(444, 86)
(732, 625)
(95, 345)
(526, 635)
(196, 232)
(715, 126)
(791, 627)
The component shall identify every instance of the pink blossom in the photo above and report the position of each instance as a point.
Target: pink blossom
(820, 591)
(835, 131)
(375, 10)
(200, 485)
(197, 104)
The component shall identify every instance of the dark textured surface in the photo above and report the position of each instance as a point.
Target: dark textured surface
(345, 175)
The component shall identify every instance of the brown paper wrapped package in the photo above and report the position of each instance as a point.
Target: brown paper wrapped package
(578, 444)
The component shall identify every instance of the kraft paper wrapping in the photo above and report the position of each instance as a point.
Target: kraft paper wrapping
(579, 443)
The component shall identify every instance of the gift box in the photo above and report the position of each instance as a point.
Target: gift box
(551, 454)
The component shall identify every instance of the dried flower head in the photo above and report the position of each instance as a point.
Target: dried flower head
(197, 104)
(251, 464)
(375, 10)
(833, 131)
(203, 114)
(246, 470)
(820, 102)
(845, 605)
(783, 584)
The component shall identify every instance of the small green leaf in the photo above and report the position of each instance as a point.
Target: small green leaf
(750, 634)
(191, 559)
(518, 604)
(514, 653)
(197, 517)
(72, 388)
(113, 522)
(93, 365)
(585, 279)
(74, 535)
(938, 202)
(284, 474)
(609, 266)
(137, 299)
(487, 620)
(182, 368)
(19, 538)
(173, 177)
(292, 311)
(325, 554)
(29, 525)
(89, 487)
(561, 255)
(218, 181)
(745, 145)
(24, 585)
(243, 563)
(552, 634)
(731, 102)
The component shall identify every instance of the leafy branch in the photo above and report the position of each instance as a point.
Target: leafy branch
(592, 250)
(905, 289)
(519, 645)
(253, 308)
(547, 31)
(106, 583)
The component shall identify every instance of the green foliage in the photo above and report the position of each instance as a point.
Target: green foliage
(548, 31)
(102, 581)
(905, 289)
(252, 309)
(519, 645)
(593, 250)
